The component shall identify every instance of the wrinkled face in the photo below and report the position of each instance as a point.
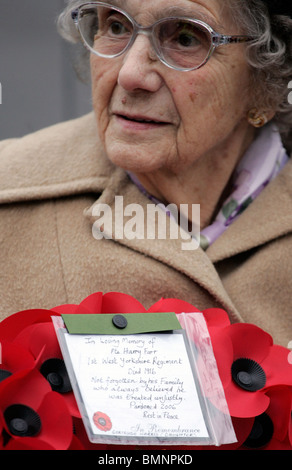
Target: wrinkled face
(151, 117)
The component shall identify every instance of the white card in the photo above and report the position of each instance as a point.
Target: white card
(137, 387)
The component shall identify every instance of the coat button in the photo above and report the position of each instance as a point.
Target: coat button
(120, 321)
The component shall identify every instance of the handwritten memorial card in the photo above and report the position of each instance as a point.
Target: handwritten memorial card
(137, 386)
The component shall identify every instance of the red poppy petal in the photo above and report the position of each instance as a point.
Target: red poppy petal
(243, 404)
(91, 304)
(216, 318)
(172, 305)
(38, 337)
(116, 302)
(15, 357)
(2, 425)
(72, 404)
(277, 367)
(65, 309)
(274, 444)
(57, 425)
(27, 443)
(76, 444)
(250, 342)
(223, 352)
(280, 410)
(13, 325)
(242, 428)
(26, 387)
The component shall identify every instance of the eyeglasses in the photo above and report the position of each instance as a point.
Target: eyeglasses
(180, 43)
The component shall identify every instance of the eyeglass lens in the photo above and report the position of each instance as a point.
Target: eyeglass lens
(179, 42)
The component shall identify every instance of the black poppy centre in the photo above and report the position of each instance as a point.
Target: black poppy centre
(248, 374)
(54, 370)
(22, 420)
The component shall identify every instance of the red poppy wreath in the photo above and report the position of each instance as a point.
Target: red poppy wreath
(38, 410)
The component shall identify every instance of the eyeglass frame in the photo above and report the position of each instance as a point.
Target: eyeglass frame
(217, 39)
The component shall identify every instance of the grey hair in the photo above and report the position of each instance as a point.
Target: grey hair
(269, 56)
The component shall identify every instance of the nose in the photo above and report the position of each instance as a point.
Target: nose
(138, 70)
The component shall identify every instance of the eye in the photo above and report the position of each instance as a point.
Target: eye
(187, 35)
(118, 25)
(181, 35)
(187, 39)
(117, 28)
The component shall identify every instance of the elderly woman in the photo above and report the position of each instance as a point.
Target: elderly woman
(190, 107)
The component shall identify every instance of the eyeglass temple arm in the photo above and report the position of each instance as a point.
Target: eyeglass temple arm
(75, 15)
(220, 39)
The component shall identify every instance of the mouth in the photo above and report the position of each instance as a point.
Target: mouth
(139, 121)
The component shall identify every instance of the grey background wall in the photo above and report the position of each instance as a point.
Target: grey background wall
(39, 85)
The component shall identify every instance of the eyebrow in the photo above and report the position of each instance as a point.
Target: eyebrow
(174, 10)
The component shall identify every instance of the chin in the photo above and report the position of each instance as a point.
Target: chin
(130, 158)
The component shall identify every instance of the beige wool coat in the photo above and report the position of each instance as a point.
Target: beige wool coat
(50, 184)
